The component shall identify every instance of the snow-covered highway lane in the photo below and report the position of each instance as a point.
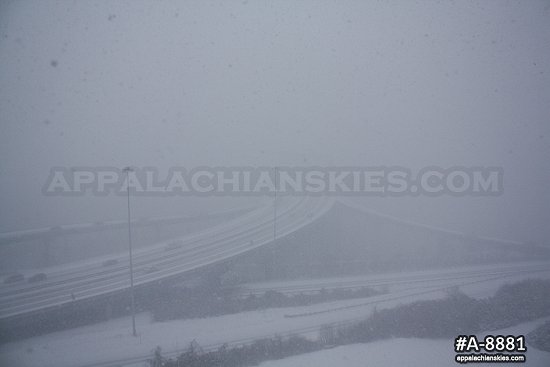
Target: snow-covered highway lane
(90, 279)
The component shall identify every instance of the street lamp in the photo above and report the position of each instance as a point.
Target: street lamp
(269, 268)
(275, 205)
(127, 170)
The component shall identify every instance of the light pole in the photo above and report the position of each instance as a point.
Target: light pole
(275, 206)
(127, 170)
(271, 249)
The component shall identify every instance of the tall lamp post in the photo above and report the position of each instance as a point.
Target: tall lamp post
(132, 298)
(275, 205)
(271, 250)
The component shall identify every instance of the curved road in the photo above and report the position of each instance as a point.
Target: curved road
(242, 234)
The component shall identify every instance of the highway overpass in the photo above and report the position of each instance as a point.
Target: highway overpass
(85, 280)
(252, 229)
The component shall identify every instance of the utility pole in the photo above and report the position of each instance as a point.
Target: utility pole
(132, 298)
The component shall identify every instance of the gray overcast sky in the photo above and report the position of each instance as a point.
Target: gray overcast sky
(112, 83)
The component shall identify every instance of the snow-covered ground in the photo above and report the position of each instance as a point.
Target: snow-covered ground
(404, 280)
(405, 352)
(112, 341)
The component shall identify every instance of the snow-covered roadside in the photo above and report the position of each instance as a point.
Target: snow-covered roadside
(404, 352)
(405, 278)
(111, 340)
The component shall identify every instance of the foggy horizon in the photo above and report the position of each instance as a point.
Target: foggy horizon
(193, 83)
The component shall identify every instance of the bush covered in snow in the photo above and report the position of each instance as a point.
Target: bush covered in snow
(540, 337)
(177, 303)
(445, 318)
(457, 314)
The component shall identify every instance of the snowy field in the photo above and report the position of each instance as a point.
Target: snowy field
(404, 352)
(107, 342)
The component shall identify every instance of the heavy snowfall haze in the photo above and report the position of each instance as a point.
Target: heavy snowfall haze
(105, 83)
